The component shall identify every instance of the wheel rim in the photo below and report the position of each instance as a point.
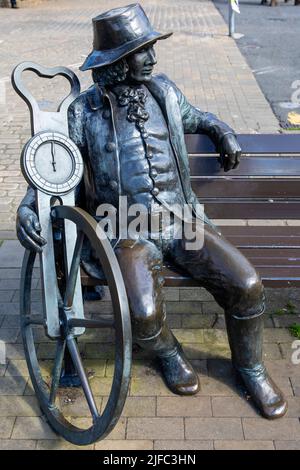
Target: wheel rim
(102, 423)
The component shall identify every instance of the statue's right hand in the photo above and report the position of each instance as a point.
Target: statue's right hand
(28, 228)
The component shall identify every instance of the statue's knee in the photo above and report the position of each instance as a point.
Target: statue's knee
(249, 297)
(147, 321)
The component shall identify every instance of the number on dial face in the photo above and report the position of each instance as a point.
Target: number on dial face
(52, 163)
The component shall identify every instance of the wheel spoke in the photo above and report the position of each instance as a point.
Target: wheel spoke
(72, 277)
(56, 372)
(72, 346)
(33, 320)
(87, 323)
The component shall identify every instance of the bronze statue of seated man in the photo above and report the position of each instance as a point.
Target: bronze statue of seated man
(130, 128)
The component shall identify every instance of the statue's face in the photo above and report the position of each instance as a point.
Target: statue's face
(141, 64)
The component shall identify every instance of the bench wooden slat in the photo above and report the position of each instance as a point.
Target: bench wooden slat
(277, 276)
(275, 253)
(249, 166)
(205, 188)
(252, 210)
(260, 231)
(271, 241)
(250, 143)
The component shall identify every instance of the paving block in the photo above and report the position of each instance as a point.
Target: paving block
(101, 386)
(19, 406)
(277, 335)
(6, 427)
(11, 321)
(97, 351)
(243, 445)
(284, 429)
(195, 294)
(215, 336)
(137, 407)
(284, 321)
(184, 406)
(9, 335)
(103, 335)
(283, 368)
(213, 428)
(209, 308)
(15, 351)
(2, 369)
(189, 335)
(286, 350)
(220, 322)
(198, 321)
(95, 367)
(287, 445)
(295, 384)
(140, 368)
(185, 307)
(183, 445)
(73, 403)
(174, 320)
(60, 444)
(127, 445)
(154, 386)
(10, 308)
(271, 351)
(171, 294)
(155, 428)
(12, 385)
(32, 428)
(293, 407)
(206, 351)
(218, 386)
(12, 444)
(11, 254)
(233, 407)
(10, 273)
(6, 295)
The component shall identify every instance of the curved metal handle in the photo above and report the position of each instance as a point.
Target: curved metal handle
(45, 72)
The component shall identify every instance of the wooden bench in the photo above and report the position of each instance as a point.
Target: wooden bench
(266, 185)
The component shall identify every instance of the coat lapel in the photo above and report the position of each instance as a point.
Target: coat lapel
(167, 99)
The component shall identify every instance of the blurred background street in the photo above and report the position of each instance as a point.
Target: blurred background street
(270, 44)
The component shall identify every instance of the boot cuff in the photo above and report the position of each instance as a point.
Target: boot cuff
(250, 313)
(256, 371)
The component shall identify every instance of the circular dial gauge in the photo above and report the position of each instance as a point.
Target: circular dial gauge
(52, 163)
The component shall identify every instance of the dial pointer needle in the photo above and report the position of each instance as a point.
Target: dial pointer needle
(53, 156)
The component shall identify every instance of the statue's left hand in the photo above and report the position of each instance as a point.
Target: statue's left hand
(230, 152)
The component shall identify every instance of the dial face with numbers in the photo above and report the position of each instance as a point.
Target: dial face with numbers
(52, 163)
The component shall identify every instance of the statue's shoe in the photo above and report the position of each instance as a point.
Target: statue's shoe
(179, 374)
(264, 392)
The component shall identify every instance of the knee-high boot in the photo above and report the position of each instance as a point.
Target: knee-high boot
(246, 344)
(178, 372)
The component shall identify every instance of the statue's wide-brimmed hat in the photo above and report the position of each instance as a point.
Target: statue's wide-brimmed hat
(120, 32)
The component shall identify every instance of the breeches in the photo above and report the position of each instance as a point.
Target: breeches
(218, 266)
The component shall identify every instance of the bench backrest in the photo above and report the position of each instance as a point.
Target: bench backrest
(266, 184)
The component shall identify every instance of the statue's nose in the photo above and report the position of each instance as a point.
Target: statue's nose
(151, 58)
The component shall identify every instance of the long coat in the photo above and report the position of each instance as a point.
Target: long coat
(92, 128)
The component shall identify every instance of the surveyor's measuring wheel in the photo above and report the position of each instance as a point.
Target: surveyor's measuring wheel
(101, 408)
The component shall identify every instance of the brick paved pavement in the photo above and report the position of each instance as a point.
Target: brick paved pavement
(219, 417)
